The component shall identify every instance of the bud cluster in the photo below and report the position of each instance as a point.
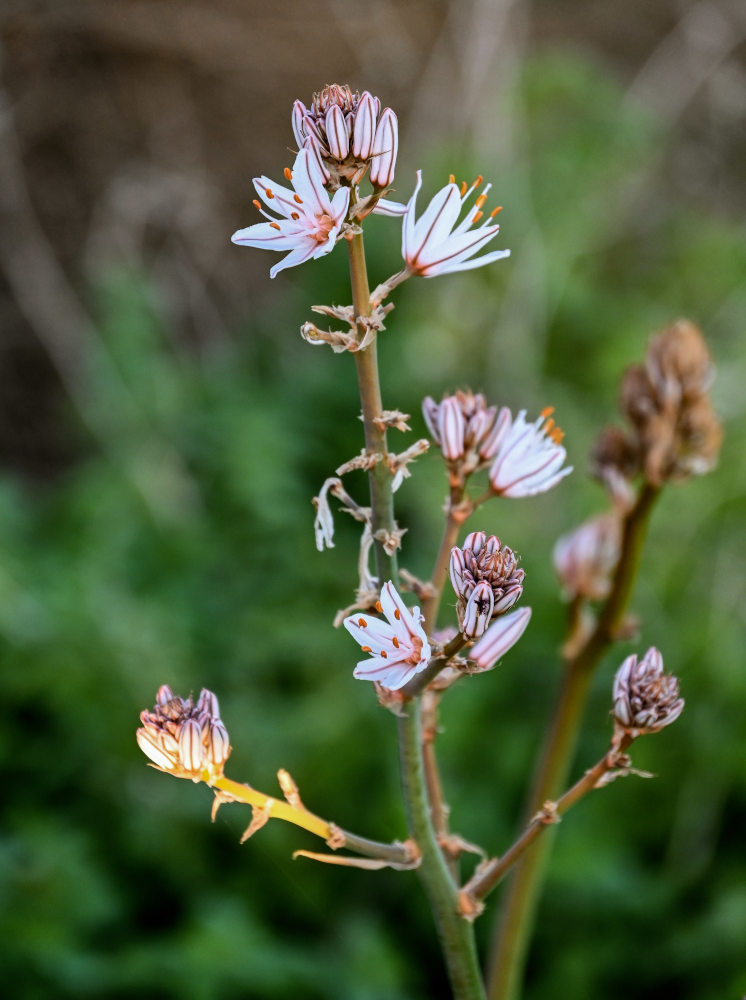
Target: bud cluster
(486, 579)
(346, 132)
(674, 432)
(185, 739)
(462, 426)
(645, 699)
(585, 558)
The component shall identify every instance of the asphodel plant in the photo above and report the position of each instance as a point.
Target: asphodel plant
(342, 173)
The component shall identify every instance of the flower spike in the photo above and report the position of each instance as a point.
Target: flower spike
(434, 244)
(398, 647)
(308, 221)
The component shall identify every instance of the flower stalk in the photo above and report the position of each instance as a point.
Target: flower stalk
(516, 920)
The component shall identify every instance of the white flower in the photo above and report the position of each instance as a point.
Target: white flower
(527, 457)
(498, 639)
(398, 650)
(308, 221)
(431, 245)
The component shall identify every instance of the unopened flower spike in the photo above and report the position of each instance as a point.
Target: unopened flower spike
(308, 221)
(486, 580)
(526, 458)
(398, 647)
(185, 739)
(437, 243)
(585, 558)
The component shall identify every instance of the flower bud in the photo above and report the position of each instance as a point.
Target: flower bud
(385, 148)
(478, 612)
(678, 363)
(585, 558)
(184, 738)
(645, 699)
(501, 636)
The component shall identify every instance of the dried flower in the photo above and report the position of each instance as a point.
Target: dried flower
(585, 558)
(486, 579)
(460, 424)
(432, 246)
(498, 639)
(527, 457)
(308, 222)
(185, 739)
(346, 132)
(645, 699)
(676, 431)
(398, 650)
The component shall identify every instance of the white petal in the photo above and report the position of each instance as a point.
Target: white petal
(391, 208)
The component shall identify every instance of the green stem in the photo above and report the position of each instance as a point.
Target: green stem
(516, 921)
(456, 934)
(366, 361)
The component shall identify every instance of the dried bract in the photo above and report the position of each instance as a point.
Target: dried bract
(486, 580)
(645, 699)
(185, 739)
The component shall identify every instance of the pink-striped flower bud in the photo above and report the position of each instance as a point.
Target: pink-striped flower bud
(645, 699)
(365, 127)
(217, 744)
(478, 611)
(451, 427)
(337, 136)
(585, 558)
(385, 148)
(190, 745)
(501, 636)
(464, 436)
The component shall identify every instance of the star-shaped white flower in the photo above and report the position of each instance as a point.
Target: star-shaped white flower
(308, 220)
(431, 245)
(527, 457)
(398, 650)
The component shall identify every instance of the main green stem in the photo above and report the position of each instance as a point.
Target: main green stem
(517, 915)
(456, 934)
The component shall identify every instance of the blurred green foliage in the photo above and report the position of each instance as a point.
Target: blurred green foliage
(180, 551)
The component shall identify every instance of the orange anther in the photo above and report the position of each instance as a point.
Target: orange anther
(547, 411)
(294, 215)
(464, 188)
(557, 435)
(478, 181)
(384, 654)
(481, 200)
(257, 204)
(495, 211)
(366, 649)
(451, 179)
(297, 199)
(477, 217)
(288, 173)
(362, 623)
(549, 427)
(397, 614)
(379, 609)
(395, 642)
(268, 192)
(275, 225)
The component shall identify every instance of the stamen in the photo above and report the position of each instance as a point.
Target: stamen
(495, 211)
(294, 215)
(366, 649)
(451, 179)
(379, 609)
(384, 654)
(362, 623)
(257, 204)
(557, 435)
(275, 225)
(297, 199)
(478, 181)
(477, 217)
(395, 642)
(481, 200)
(464, 188)
(549, 427)
(288, 173)
(397, 614)
(269, 193)
(547, 411)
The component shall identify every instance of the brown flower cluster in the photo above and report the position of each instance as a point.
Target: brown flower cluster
(674, 432)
